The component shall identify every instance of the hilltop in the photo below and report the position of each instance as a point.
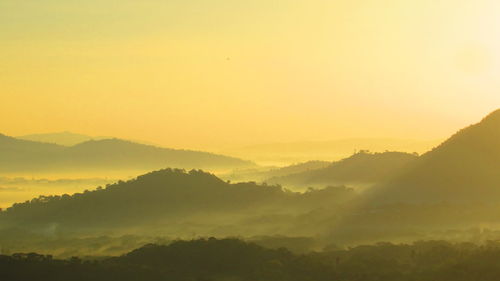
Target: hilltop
(168, 197)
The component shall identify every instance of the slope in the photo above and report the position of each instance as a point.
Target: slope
(21, 156)
(361, 168)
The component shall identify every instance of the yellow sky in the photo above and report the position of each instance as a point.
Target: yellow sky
(202, 73)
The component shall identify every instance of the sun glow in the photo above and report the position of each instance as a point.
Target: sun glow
(208, 73)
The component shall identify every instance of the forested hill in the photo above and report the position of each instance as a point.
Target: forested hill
(363, 167)
(166, 195)
(465, 168)
(104, 156)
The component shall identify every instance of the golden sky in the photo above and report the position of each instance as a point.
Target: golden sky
(209, 72)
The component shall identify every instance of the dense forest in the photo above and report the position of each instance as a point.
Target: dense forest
(233, 259)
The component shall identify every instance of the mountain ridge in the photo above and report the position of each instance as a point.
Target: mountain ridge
(361, 168)
(170, 199)
(464, 167)
(107, 154)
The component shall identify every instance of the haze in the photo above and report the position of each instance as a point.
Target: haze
(205, 74)
(291, 140)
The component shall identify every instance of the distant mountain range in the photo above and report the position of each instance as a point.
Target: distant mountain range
(293, 152)
(61, 138)
(22, 156)
(464, 167)
(69, 138)
(454, 186)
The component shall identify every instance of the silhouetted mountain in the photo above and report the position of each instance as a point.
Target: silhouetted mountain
(103, 156)
(24, 155)
(61, 138)
(163, 197)
(456, 186)
(70, 138)
(361, 168)
(464, 168)
(13, 145)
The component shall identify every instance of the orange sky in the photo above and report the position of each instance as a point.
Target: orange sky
(206, 73)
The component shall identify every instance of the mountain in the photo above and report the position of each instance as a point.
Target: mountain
(451, 189)
(61, 138)
(464, 168)
(127, 154)
(22, 156)
(171, 199)
(361, 168)
(70, 139)
(292, 152)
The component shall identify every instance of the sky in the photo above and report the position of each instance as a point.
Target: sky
(206, 73)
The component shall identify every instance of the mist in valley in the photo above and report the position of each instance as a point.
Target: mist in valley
(249, 140)
(443, 200)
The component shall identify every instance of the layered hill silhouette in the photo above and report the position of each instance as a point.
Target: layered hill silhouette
(103, 156)
(265, 173)
(165, 196)
(297, 168)
(465, 168)
(61, 138)
(293, 152)
(69, 138)
(455, 186)
(360, 168)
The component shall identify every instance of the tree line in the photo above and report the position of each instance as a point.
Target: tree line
(234, 259)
